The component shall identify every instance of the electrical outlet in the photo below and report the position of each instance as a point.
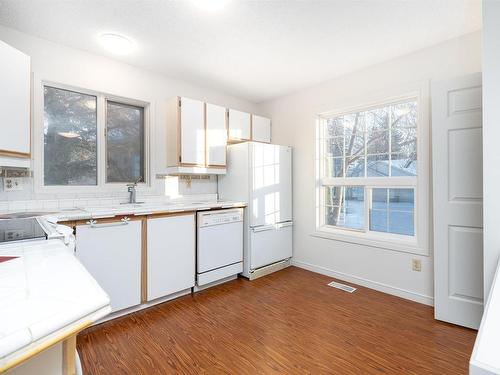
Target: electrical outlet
(416, 265)
(12, 184)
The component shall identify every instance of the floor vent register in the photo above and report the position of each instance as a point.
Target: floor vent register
(345, 288)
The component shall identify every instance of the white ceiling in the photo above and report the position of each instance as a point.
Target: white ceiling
(255, 50)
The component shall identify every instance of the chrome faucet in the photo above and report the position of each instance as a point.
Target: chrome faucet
(131, 188)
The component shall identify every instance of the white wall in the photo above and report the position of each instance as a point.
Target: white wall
(491, 139)
(60, 64)
(294, 119)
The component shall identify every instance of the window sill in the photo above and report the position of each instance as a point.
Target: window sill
(361, 238)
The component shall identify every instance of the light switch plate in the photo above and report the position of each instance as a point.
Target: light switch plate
(12, 184)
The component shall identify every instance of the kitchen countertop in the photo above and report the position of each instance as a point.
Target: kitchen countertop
(85, 213)
(46, 295)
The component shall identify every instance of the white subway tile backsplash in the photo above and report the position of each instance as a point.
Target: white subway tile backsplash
(17, 206)
(34, 205)
(51, 204)
(4, 206)
(27, 199)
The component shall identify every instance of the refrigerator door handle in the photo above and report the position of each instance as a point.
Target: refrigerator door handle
(262, 228)
(284, 224)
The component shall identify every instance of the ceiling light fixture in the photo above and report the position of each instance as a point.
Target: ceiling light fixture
(115, 43)
(211, 5)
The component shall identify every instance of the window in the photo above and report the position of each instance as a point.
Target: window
(74, 132)
(70, 137)
(124, 142)
(368, 172)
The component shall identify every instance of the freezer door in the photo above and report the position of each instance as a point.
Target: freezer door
(270, 244)
(271, 184)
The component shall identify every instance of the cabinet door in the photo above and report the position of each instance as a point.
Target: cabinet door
(216, 135)
(261, 129)
(171, 255)
(239, 125)
(14, 102)
(111, 252)
(192, 132)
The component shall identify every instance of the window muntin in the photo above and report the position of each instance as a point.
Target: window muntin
(376, 142)
(344, 207)
(70, 137)
(377, 149)
(392, 211)
(76, 151)
(124, 142)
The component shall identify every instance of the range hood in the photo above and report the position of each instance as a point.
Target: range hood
(182, 170)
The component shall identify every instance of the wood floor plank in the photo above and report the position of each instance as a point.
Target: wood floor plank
(289, 322)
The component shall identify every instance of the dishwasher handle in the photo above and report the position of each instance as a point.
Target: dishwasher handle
(93, 223)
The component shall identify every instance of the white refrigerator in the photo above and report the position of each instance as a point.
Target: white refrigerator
(261, 175)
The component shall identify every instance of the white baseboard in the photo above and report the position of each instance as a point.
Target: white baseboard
(395, 291)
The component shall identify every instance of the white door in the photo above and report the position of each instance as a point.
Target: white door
(270, 244)
(171, 255)
(458, 200)
(192, 132)
(216, 135)
(239, 125)
(111, 252)
(261, 129)
(271, 175)
(14, 102)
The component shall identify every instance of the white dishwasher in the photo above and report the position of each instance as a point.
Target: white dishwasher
(219, 245)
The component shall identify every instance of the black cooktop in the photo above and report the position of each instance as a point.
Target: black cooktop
(20, 229)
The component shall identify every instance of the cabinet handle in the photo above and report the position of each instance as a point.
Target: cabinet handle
(124, 221)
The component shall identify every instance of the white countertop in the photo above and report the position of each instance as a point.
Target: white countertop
(485, 359)
(85, 213)
(44, 293)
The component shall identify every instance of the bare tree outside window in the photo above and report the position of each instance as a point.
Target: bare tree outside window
(70, 137)
(378, 142)
(124, 142)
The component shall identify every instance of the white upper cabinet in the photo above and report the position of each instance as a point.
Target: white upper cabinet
(239, 125)
(261, 129)
(15, 129)
(196, 137)
(192, 132)
(216, 133)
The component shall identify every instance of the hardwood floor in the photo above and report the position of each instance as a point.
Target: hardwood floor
(289, 322)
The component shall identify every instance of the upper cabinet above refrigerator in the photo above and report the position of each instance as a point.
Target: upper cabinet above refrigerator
(196, 137)
(240, 126)
(261, 129)
(244, 126)
(15, 107)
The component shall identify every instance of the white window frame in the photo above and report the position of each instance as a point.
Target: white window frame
(102, 185)
(417, 244)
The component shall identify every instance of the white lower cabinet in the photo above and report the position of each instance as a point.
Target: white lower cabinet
(171, 255)
(111, 252)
